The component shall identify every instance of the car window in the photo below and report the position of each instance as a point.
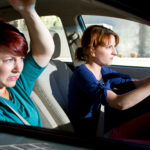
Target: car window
(134, 48)
(54, 24)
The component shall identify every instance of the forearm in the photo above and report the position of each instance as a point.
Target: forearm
(129, 99)
(41, 41)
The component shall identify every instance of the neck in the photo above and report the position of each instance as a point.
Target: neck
(4, 93)
(2, 90)
(95, 69)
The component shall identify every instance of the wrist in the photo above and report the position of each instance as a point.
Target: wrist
(28, 12)
(28, 9)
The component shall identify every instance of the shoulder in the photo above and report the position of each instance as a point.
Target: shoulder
(31, 61)
(83, 72)
(108, 74)
(82, 75)
(82, 69)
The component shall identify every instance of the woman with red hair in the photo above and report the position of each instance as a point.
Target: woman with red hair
(20, 69)
(126, 101)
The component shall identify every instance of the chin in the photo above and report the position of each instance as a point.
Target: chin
(108, 64)
(11, 85)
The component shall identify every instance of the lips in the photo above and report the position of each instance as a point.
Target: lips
(12, 78)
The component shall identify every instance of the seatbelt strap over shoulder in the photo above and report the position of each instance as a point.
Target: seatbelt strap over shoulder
(17, 114)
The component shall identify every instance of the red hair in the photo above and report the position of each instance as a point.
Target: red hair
(13, 39)
(94, 36)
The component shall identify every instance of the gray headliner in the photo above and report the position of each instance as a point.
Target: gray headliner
(68, 8)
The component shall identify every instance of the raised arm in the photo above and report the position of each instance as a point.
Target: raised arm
(42, 44)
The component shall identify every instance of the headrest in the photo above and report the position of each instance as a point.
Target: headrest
(57, 43)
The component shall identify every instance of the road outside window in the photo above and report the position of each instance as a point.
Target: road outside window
(134, 47)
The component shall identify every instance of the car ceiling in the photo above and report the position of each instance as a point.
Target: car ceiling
(139, 8)
(77, 7)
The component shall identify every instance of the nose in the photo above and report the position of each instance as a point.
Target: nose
(17, 67)
(114, 51)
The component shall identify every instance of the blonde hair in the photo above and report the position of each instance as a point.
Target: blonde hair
(94, 36)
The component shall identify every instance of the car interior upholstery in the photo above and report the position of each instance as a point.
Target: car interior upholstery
(50, 91)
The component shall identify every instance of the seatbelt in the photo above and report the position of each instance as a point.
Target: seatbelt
(17, 114)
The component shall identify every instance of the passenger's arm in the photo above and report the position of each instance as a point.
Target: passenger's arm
(131, 98)
(42, 44)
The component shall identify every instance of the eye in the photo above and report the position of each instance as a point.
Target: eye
(8, 60)
(22, 58)
(108, 46)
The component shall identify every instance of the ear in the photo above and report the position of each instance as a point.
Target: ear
(92, 52)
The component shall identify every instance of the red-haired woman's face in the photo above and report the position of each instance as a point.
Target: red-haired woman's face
(103, 55)
(10, 67)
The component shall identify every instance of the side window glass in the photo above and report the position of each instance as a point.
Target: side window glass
(133, 49)
(54, 25)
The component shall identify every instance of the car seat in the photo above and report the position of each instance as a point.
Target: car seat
(51, 89)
